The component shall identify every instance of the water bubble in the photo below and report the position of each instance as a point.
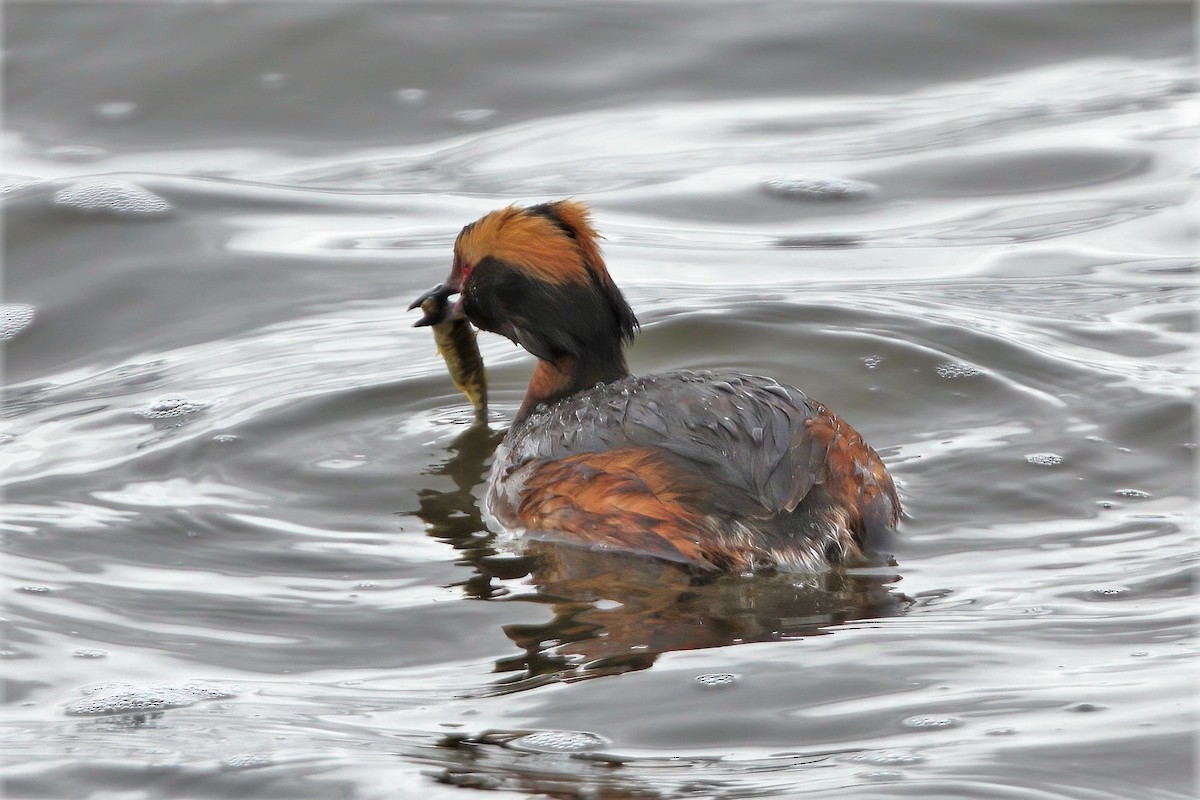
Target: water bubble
(14, 319)
(1139, 654)
(128, 698)
(1135, 493)
(115, 112)
(246, 761)
(717, 680)
(1107, 592)
(170, 406)
(411, 96)
(1000, 731)
(225, 438)
(886, 758)
(34, 589)
(89, 653)
(928, 722)
(473, 115)
(1085, 707)
(819, 187)
(871, 362)
(1044, 459)
(559, 742)
(119, 198)
(957, 370)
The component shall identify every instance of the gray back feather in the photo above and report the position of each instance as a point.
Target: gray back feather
(739, 431)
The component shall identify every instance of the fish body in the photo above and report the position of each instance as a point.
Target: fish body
(456, 343)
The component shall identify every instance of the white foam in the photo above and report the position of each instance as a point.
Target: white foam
(169, 407)
(819, 187)
(116, 197)
(247, 761)
(12, 185)
(931, 722)
(886, 758)
(87, 652)
(559, 741)
(15, 318)
(717, 680)
(957, 370)
(128, 698)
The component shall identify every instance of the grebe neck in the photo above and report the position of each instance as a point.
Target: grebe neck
(567, 375)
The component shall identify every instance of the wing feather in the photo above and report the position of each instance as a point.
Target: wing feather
(748, 433)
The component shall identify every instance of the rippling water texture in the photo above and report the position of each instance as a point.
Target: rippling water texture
(244, 551)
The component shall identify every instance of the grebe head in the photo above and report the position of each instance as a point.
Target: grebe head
(536, 276)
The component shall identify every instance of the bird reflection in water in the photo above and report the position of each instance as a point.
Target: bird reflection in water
(615, 612)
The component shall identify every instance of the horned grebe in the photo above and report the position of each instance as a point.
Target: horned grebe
(719, 469)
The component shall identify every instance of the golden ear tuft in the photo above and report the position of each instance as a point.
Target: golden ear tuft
(554, 242)
(576, 218)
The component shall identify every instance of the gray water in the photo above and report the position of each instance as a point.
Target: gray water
(244, 555)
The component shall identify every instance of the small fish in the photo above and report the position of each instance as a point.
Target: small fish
(455, 340)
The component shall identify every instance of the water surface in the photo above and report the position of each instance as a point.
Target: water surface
(244, 556)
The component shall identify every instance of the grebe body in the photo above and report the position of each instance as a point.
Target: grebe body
(719, 469)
